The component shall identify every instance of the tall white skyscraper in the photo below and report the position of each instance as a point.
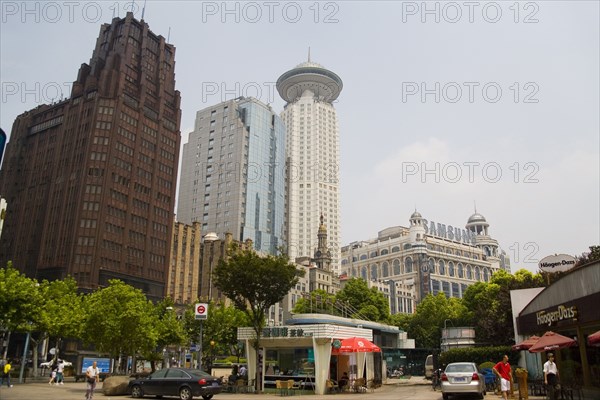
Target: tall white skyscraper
(313, 157)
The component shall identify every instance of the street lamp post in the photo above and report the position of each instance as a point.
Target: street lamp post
(210, 237)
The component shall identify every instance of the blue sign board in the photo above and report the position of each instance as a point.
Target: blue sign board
(103, 364)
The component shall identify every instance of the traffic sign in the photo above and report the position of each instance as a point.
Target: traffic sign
(201, 310)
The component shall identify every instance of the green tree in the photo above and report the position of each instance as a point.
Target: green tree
(369, 303)
(318, 301)
(170, 331)
(61, 315)
(430, 317)
(490, 308)
(220, 330)
(254, 283)
(120, 320)
(20, 300)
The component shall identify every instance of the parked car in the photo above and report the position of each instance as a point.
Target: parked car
(462, 378)
(184, 383)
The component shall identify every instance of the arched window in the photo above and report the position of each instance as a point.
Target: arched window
(477, 274)
(442, 267)
(408, 265)
(363, 257)
(461, 272)
(344, 261)
(431, 265)
(395, 249)
(396, 264)
(385, 269)
(374, 272)
(363, 273)
(469, 272)
(486, 275)
(373, 254)
(407, 246)
(384, 252)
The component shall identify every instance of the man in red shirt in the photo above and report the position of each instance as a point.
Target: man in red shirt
(502, 369)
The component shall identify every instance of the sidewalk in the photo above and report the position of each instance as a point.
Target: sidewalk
(392, 389)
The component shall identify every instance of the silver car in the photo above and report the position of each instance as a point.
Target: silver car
(462, 378)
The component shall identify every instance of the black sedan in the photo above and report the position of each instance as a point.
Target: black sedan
(184, 383)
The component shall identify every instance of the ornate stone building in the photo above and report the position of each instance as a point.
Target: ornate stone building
(427, 257)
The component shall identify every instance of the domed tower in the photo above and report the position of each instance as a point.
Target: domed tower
(478, 226)
(416, 232)
(312, 150)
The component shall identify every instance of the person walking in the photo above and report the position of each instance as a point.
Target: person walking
(53, 369)
(60, 368)
(504, 372)
(5, 374)
(92, 375)
(551, 376)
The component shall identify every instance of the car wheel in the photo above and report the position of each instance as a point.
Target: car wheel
(445, 396)
(207, 396)
(481, 395)
(185, 393)
(137, 392)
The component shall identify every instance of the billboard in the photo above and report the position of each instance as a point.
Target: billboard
(103, 364)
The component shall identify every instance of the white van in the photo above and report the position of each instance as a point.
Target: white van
(429, 367)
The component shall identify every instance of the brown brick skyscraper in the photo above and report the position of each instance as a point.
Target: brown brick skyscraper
(90, 181)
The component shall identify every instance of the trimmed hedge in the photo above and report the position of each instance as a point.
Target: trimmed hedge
(479, 355)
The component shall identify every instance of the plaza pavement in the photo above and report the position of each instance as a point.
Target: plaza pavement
(413, 388)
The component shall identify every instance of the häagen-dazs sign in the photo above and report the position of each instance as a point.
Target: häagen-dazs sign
(557, 263)
(549, 317)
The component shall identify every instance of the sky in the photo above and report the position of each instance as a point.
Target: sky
(446, 106)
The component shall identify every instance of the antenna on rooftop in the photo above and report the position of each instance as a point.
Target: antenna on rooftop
(169, 36)
(143, 9)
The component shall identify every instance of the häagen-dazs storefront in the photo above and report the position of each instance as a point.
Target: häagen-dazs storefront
(570, 307)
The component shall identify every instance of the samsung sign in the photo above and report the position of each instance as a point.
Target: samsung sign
(449, 232)
(557, 263)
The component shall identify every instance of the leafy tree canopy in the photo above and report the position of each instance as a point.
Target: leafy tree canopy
(120, 320)
(20, 300)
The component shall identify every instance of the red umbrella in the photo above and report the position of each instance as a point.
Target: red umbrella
(594, 339)
(355, 345)
(526, 344)
(551, 341)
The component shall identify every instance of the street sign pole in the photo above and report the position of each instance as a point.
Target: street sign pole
(200, 348)
(201, 312)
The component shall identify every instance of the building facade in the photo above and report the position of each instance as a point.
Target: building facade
(427, 257)
(90, 181)
(233, 173)
(313, 157)
(194, 256)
